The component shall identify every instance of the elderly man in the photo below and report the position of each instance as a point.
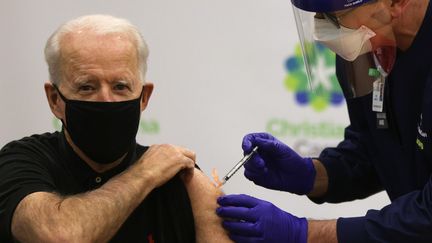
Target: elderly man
(384, 68)
(92, 182)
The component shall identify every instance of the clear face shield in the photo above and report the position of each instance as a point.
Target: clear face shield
(360, 32)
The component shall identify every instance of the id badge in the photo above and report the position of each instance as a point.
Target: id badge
(378, 95)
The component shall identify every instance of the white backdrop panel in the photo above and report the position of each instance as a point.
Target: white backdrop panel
(218, 69)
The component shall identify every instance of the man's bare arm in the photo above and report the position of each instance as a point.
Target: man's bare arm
(203, 195)
(322, 231)
(321, 180)
(97, 215)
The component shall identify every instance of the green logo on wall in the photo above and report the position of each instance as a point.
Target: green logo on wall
(284, 128)
(326, 87)
(326, 92)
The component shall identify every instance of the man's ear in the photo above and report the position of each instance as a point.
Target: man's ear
(54, 100)
(148, 90)
(397, 7)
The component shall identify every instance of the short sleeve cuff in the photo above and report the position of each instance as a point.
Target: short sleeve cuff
(351, 230)
(5, 232)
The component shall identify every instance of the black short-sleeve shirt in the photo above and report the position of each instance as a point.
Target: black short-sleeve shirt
(47, 163)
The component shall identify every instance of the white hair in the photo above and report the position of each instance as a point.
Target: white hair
(99, 24)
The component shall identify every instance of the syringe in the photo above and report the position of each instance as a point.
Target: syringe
(239, 165)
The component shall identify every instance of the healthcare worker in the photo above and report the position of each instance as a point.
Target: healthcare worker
(383, 64)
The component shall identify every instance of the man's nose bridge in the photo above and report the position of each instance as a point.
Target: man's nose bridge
(105, 94)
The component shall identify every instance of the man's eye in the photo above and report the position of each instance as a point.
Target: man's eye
(121, 87)
(85, 88)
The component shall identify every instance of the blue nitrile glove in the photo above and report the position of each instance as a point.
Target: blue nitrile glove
(277, 166)
(249, 219)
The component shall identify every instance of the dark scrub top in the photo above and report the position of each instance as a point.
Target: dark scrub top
(397, 159)
(47, 163)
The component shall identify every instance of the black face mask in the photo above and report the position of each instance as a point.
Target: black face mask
(104, 131)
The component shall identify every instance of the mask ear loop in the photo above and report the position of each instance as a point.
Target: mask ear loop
(142, 92)
(61, 95)
(66, 100)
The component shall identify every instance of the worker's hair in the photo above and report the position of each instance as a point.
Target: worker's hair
(101, 25)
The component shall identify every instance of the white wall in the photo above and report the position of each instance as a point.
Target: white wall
(218, 69)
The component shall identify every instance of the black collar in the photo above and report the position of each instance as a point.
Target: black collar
(83, 173)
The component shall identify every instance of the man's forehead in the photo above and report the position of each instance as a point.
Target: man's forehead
(85, 38)
(88, 54)
(91, 45)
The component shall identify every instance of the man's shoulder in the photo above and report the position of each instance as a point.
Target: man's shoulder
(32, 143)
(140, 149)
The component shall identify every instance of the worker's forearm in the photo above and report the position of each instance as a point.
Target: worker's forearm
(321, 180)
(94, 216)
(322, 231)
(203, 195)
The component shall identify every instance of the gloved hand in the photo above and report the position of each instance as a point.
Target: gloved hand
(277, 166)
(249, 219)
